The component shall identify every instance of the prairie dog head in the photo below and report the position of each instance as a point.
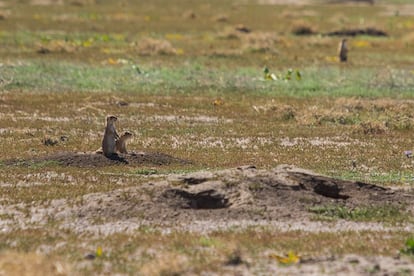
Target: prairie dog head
(343, 42)
(127, 135)
(110, 119)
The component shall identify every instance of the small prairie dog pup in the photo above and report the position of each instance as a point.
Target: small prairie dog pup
(121, 142)
(343, 50)
(110, 136)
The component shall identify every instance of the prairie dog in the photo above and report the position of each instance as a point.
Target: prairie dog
(343, 50)
(110, 136)
(121, 142)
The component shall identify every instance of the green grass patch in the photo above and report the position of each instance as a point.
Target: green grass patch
(387, 213)
(315, 81)
(146, 171)
(44, 164)
(381, 178)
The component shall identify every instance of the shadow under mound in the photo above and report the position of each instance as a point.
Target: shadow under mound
(209, 199)
(91, 159)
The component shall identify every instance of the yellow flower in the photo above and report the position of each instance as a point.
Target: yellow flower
(99, 251)
(179, 51)
(112, 61)
(291, 258)
(361, 44)
(217, 102)
(174, 36)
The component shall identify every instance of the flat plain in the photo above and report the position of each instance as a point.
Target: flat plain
(255, 151)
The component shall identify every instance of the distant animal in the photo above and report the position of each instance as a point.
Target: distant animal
(343, 50)
(121, 142)
(110, 136)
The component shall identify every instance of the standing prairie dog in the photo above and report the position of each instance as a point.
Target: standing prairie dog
(343, 50)
(121, 142)
(110, 136)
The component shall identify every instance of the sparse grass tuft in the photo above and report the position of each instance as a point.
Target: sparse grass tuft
(150, 46)
(260, 42)
(14, 263)
(44, 164)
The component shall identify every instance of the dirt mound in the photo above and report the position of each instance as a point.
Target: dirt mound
(92, 159)
(246, 193)
(355, 32)
(284, 198)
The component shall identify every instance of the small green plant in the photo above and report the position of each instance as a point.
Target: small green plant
(146, 171)
(409, 247)
(290, 73)
(207, 242)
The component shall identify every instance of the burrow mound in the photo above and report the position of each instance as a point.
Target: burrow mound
(355, 32)
(305, 30)
(91, 159)
(285, 192)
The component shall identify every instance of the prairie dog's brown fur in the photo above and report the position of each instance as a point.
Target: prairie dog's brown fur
(343, 50)
(110, 136)
(121, 142)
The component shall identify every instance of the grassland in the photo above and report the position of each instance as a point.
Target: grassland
(189, 84)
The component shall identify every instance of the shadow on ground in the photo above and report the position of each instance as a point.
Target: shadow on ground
(91, 159)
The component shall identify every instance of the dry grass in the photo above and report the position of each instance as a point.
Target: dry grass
(32, 264)
(260, 42)
(259, 131)
(166, 263)
(57, 46)
(152, 253)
